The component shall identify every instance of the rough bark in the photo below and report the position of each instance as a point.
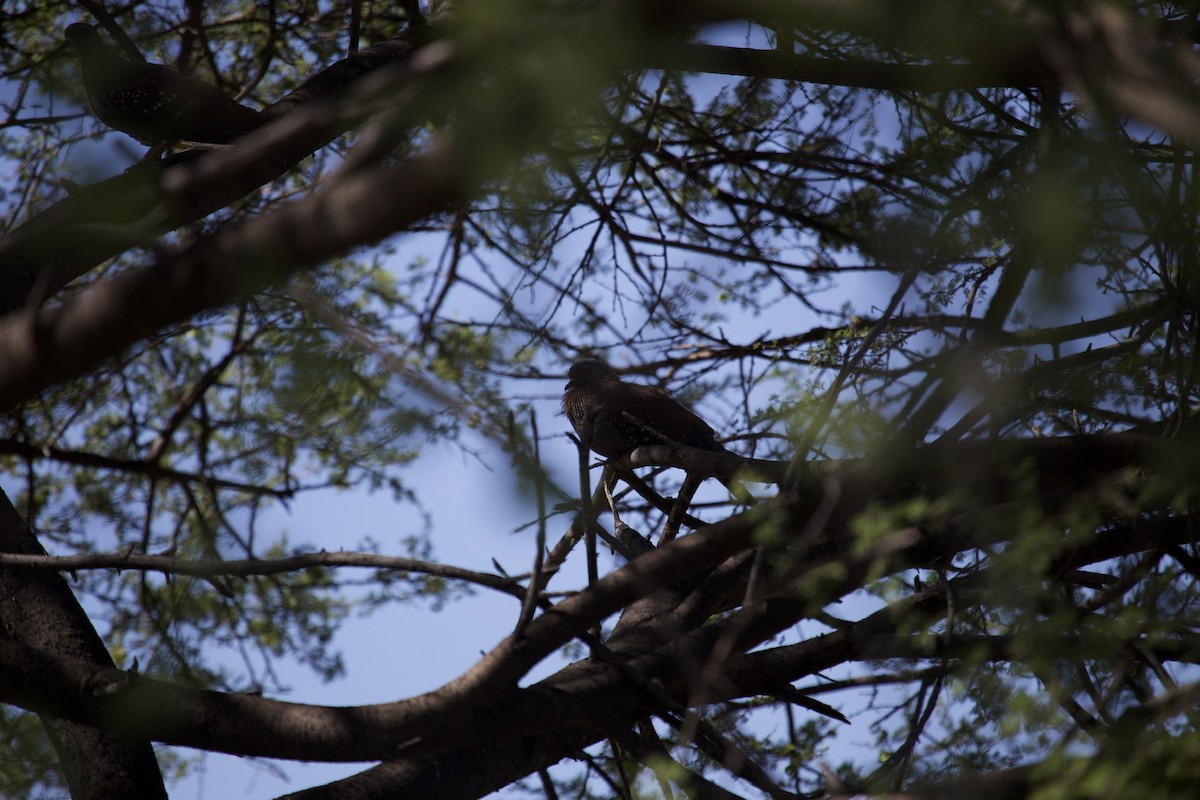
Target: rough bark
(37, 609)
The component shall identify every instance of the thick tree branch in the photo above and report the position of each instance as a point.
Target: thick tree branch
(39, 617)
(44, 346)
(455, 714)
(105, 219)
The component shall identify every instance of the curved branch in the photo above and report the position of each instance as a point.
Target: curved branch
(485, 702)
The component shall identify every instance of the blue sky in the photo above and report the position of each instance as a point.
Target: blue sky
(476, 509)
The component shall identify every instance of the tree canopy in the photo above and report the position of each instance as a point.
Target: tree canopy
(926, 268)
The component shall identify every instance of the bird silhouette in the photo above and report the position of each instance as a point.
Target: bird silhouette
(612, 417)
(154, 103)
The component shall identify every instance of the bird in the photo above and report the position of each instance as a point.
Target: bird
(612, 417)
(152, 102)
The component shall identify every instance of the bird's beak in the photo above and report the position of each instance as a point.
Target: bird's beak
(570, 385)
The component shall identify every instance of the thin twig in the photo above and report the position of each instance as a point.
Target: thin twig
(210, 568)
(529, 604)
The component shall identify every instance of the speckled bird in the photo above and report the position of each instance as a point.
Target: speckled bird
(596, 402)
(154, 103)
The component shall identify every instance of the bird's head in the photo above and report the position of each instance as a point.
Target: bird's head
(588, 373)
(84, 38)
(81, 32)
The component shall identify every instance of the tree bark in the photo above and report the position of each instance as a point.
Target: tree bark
(38, 609)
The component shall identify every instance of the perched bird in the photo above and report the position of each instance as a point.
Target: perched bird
(153, 103)
(612, 417)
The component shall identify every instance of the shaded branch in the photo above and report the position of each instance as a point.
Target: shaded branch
(40, 618)
(583, 699)
(251, 567)
(45, 346)
(102, 220)
(136, 466)
(861, 73)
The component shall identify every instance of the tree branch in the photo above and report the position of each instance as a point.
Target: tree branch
(39, 617)
(102, 220)
(136, 466)
(243, 568)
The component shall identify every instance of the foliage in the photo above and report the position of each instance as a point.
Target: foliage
(930, 262)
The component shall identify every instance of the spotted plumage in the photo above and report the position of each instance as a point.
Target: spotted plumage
(151, 102)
